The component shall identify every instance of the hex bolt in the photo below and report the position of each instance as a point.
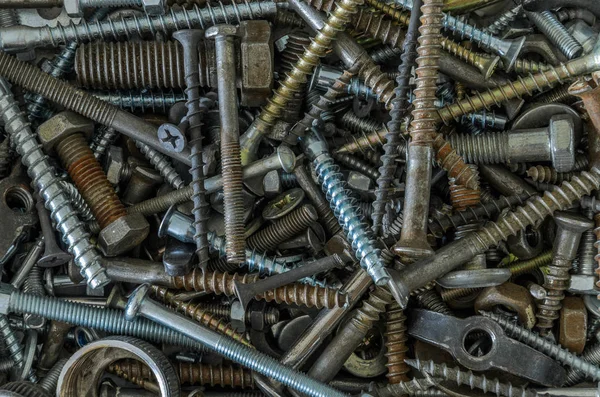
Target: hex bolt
(343, 206)
(246, 292)
(570, 227)
(283, 229)
(545, 346)
(53, 255)
(460, 251)
(556, 32)
(133, 25)
(140, 305)
(43, 175)
(283, 158)
(233, 203)
(120, 231)
(555, 143)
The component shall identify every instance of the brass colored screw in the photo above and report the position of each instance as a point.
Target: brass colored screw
(395, 341)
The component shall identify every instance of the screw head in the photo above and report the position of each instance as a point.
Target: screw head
(219, 31)
(134, 303)
(172, 138)
(287, 158)
(572, 222)
(189, 37)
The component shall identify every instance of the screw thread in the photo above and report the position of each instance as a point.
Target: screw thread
(597, 243)
(50, 381)
(486, 148)
(407, 388)
(357, 125)
(298, 294)
(546, 346)
(430, 300)
(556, 32)
(108, 320)
(24, 388)
(87, 174)
(11, 343)
(395, 342)
(557, 281)
(587, 250)
(503, 20)
(145, 101)
(592, 355)
(197, 312)
(144, 383)
(351, 220)
(146, 26)
(103, 138)
(110, 3)
(33, 282)
(448, 295)
(162, 165)
(162, 203)
(454, 164)
(284, 18)
(6, 157)
(78, 202)
(368, 313)
(395, 228)
(384, 54)
(295, 79)
(283, 229)
(49, 185)
(462, 197)
(545, 174)
(9, 17)
(233, 201)
(468, 378)
(356, 164)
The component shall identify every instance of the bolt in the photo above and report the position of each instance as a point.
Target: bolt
(43, 175)
(230, 141)
(33, 285)
(140, 305)
(155, 101)
(196, 107)
(246, 292)
(120, 232)
(545, 346)
(556, 32)
(555, 143)
(460, 251)
(570, 227)
(342, 204)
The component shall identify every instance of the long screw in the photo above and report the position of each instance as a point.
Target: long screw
(135, 26)
(189, 40)
(43, 175)
(296, 78)
(413, 238)
(155, 101)
(231, 162)
(140, 305)
(556, 32)
(397, 113)
(545, 346)
(460, 251)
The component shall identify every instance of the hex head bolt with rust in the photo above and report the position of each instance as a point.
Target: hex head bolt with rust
(140, 305)
(65, 134)
(555, 143)
(233, 201)
(570, 227)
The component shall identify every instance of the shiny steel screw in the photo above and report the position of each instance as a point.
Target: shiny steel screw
(189, 40)
(231, 162)
(156, 101)
(140, 305)
(556, 32)
(43, 174)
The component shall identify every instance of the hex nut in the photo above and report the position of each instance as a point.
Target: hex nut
(114, 164)
(64, 124)
(257, 62)
(582, 284)
(154, 7)
(562, 142)
(134, 303)
(72, 8)
(123, 234)
(572, 330)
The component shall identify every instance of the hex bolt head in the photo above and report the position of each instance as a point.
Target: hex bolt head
(61, 126)
(562, 142)
(123, 234)
(221, 31)
(154, 7)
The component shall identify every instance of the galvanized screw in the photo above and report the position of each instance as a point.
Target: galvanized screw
(556, 32)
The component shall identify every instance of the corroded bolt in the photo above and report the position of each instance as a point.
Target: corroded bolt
(66, 134)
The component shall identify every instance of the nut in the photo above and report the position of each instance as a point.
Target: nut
(154, 7)
(123, 234)
(61, 126)
(562, 142)
(582, 284)
(360, 182)
(115, 164)
(572, 330)
(72, 8)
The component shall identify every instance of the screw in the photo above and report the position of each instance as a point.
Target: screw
(570, 227)
(545, 174)
(103, 138)
(395, 342)
(592, 355)
(246, 292)
(140, 304)
(189, 40)
(43, 175)
(156, 101)
(162, 165)
(556, 32)
(545, 346)
(230, 141)
(344, 208)
(283, 158)
(50, 380)
(53, 255)
(555, 143)
(33, 285)
(460, 251)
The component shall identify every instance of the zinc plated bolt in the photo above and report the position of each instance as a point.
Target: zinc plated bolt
(556, 32)
(343, 206)
(231, 162)
(555, 143)
(508, 224)
(135, 26)
(43, 174)
(546, 346)
(140, 305)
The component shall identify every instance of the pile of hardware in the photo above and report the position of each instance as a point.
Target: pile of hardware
(323, 198)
